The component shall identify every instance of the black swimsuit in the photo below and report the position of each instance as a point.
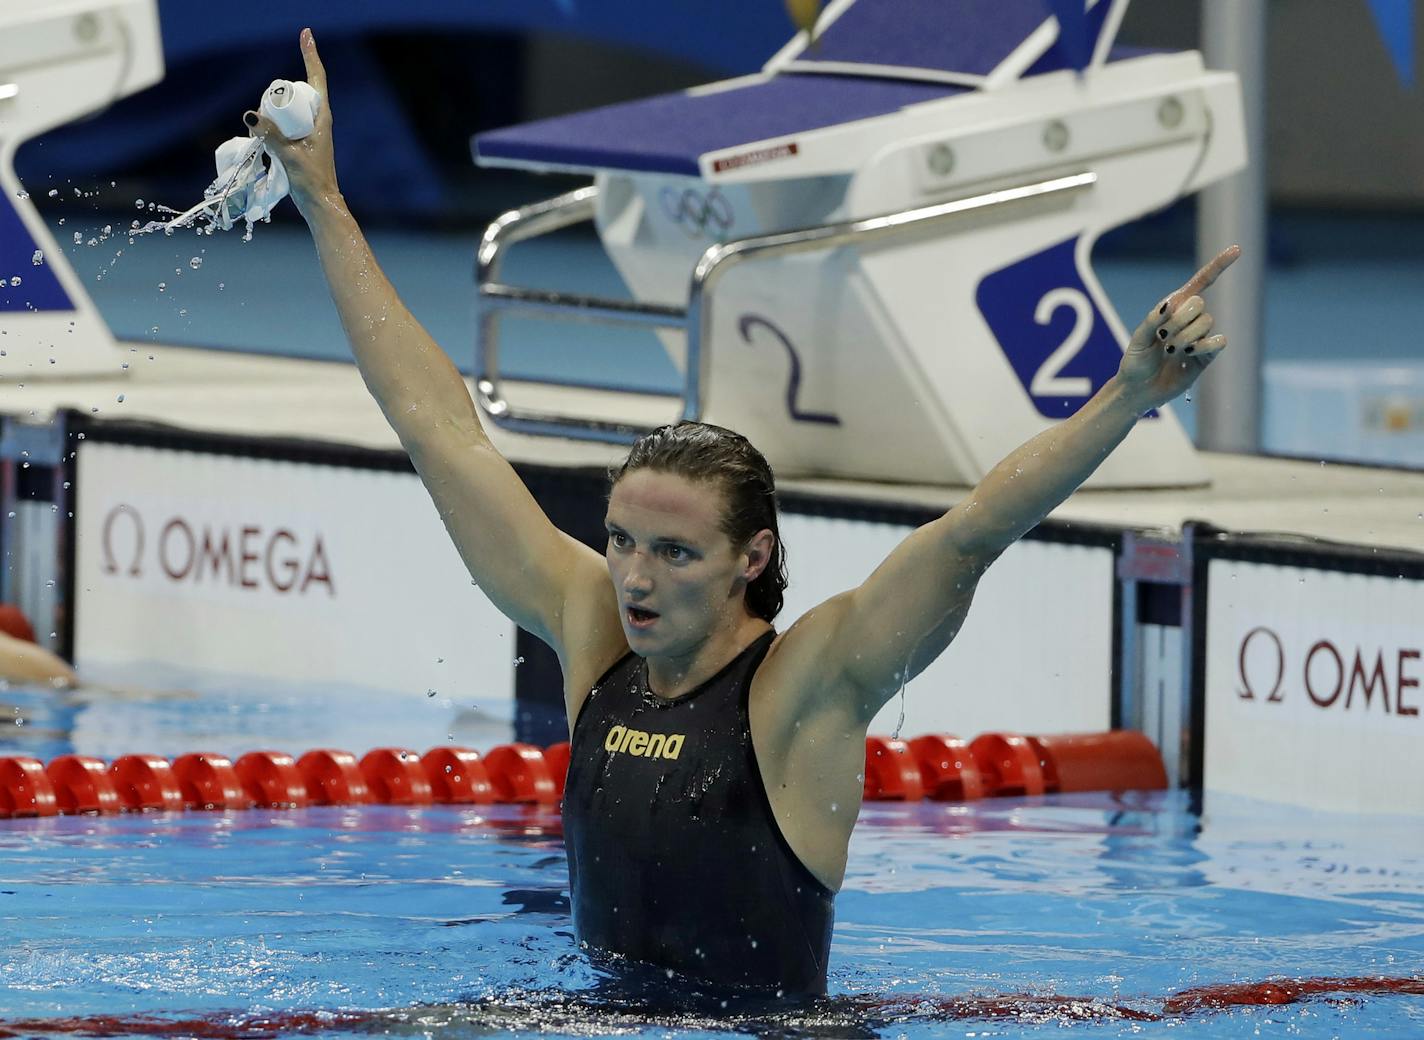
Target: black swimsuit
(674, 855)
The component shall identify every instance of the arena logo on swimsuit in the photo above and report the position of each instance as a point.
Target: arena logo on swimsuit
(646, 745)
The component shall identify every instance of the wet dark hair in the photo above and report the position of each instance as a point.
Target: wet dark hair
(713, 454)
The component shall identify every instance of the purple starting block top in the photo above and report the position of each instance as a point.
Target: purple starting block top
(958, 37)
(670, 134)
(972, 37)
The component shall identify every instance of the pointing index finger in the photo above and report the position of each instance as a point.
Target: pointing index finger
(1204, 278)
(316, 73)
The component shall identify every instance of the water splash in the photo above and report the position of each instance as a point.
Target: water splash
(608, 1011)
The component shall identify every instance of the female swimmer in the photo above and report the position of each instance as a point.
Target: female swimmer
(716, 763)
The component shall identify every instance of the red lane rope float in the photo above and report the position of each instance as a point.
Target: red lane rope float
(146, 782)
(557, 755)
(1119, 760)
(891, 771)
(947, 769)
(396, 777)
(458, 777)
(1008, 763)
(900, 1009)
(25, 789)
(271, 778)
(1285, 991)
(82, 785)
(333, 777)
(208, 781)
(936, 766)
(519, 773)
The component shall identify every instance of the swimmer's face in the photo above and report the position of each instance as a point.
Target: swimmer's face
(677, 575)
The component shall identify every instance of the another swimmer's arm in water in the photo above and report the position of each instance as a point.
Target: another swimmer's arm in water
(909, 610)
(537, 576)
(23, 663)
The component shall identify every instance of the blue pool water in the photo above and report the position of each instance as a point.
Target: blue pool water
(455, 922)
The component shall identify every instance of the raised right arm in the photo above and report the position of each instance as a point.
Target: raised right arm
(543, 580)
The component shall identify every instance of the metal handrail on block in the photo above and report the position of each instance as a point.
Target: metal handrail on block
(494, 297)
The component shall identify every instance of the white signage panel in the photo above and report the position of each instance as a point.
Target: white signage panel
(218, 566)
(1313, 686)
(1034, 655)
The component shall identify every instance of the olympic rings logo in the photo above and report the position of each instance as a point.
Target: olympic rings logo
(694, 212)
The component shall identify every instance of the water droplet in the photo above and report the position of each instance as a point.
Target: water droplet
(78, 237)
(53, 192)
(38, 258)
(138, 203)
(15, 280)
(120, 399)
(162, 286)
(196, 262)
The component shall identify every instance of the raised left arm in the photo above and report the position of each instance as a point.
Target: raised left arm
(872, 639)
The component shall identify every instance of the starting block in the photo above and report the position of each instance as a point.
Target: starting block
(873, 257)
(59, 60)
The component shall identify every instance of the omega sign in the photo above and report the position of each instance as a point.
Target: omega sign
(1329, 675)
(240, 556)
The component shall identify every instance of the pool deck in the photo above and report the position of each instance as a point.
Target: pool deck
(222, 392)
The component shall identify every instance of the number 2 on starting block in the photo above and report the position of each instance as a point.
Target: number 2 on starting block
(1050, 328)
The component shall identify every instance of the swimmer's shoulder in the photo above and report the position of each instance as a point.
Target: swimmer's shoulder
(798, 672)
(594, 644)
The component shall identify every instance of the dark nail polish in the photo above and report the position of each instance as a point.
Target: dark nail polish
(1171, 350)
(250, 118)
(1161, 333)
(1189, 350)
(1162, 309)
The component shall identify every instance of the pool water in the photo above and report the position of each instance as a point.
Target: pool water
(1002, 918)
